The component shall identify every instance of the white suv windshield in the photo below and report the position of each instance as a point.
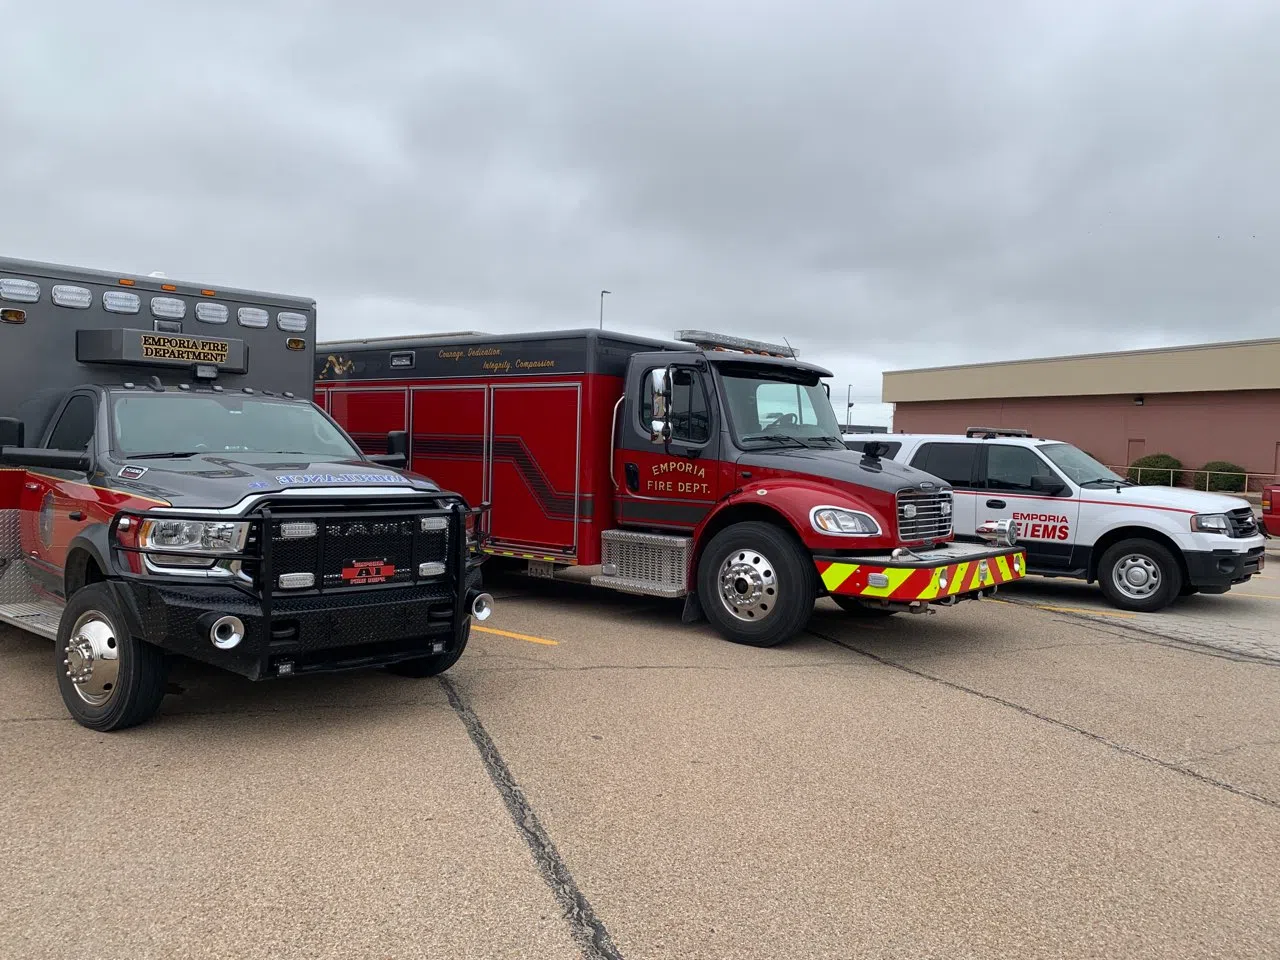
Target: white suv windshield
(1078, 465)
(168, 423)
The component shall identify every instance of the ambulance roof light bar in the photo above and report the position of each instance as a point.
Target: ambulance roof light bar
(704, 340)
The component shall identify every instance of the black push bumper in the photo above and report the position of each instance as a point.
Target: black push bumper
(1210, 570)
(311, 634)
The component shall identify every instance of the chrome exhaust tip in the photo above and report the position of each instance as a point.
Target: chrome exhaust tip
(482, 606)
(226, 632)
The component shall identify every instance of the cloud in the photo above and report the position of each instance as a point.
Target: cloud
(887, 185)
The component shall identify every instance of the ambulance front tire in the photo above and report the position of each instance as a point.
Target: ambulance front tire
(1140, 575)
(109, 680)
(433, 666)
(856, 607)
(756, 584)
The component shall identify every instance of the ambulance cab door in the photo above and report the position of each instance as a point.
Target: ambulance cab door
(668, 486)
(56, 502)
(1017, 483)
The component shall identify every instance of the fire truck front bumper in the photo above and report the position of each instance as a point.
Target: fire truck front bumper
(302, 634)
(941, 576)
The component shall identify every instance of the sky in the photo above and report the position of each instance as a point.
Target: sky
(886, 185)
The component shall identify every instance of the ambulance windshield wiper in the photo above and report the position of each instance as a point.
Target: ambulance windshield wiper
(166, 455)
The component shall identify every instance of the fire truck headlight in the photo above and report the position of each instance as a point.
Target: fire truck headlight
(178, 537)
(838, 522)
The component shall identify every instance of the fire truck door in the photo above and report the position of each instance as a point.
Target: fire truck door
(671, 486)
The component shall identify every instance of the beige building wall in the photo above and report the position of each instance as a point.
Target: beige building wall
(1247, 365)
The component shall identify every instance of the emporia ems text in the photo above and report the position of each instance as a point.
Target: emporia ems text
(711, 469)
(169, 488)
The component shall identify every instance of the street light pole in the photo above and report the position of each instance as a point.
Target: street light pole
(602, 293)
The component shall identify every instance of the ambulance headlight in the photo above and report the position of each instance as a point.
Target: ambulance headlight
(179, 538)
(1211, 523)
(838, 522)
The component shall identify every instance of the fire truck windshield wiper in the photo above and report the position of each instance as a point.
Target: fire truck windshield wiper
(165, 455)
(774, 437)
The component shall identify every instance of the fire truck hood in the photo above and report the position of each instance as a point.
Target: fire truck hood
(847, 466)
(220, 480)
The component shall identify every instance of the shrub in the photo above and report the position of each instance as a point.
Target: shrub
(1220, 476)
(1157, 470)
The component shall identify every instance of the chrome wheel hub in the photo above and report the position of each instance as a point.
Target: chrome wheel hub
(93, 659)
(1136, 576)
(748, 585)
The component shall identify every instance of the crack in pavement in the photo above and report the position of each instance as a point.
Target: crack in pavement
(1062, 724)
(586, 929)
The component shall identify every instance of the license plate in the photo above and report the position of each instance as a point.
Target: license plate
(360, 573)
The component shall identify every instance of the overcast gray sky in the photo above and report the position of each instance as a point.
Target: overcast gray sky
(888, 184)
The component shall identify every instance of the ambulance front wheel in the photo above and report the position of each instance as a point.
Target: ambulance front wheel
(109, 680)
(1140, 575)
(756, 584)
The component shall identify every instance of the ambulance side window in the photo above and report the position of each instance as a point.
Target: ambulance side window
(75, 427)
(690, 412)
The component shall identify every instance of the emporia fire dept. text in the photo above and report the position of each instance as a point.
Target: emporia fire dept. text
(166, 490)
(710, 469)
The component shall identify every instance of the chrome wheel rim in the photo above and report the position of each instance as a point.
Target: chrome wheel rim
(1136, 576)
(748, 585)
(92, 658)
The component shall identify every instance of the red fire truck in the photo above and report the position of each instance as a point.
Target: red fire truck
(711, 469)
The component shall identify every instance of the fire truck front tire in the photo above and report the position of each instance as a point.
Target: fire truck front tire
(756, 584)
(430, 666)
(109, 680)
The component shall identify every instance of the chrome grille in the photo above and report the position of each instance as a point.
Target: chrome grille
(924, 516)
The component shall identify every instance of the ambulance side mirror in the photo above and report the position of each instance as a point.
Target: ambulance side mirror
(13, 433)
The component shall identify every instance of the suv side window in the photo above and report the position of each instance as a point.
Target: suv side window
(952, 462)
(75, 427)
(1013, 469)
(690, 413)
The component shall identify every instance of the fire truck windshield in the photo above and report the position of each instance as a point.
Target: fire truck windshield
(763, 409)
(159, 424)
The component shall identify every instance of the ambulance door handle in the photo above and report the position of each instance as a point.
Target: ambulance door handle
(32, 486)
(633, 476)
(996, 504)
(76, 516)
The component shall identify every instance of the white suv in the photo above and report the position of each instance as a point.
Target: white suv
(1146, 546)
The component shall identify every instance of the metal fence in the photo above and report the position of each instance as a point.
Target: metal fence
(1228, 481)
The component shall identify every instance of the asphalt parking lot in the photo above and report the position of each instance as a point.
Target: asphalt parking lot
(1034, 777)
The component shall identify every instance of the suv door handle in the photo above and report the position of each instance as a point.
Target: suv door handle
(996, 504)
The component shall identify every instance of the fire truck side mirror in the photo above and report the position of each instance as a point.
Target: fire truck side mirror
(12, 432)
(660, 387)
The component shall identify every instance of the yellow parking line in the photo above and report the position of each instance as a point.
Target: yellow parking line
(517, 636)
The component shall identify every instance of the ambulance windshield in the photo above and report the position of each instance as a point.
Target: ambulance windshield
(168, 424)
(764, 409)
(1079, 466)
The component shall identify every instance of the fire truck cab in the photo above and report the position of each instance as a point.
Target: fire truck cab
(167, 488)
(710, 468)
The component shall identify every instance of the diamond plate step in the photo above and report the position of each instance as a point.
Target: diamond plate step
(37, 616)
(647, 564)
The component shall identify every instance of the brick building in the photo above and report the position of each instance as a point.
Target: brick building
(1216, 401)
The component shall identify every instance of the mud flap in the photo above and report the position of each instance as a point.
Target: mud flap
(692, 609)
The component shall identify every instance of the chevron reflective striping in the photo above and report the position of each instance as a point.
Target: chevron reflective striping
(836, 574)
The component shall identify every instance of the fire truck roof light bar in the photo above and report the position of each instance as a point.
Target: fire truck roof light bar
(704, 340)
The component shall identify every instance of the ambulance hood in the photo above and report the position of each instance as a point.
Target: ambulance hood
(220, 480)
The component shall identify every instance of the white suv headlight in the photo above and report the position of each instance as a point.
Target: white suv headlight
(1211, 523)
(838, 522)
(179, 537)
